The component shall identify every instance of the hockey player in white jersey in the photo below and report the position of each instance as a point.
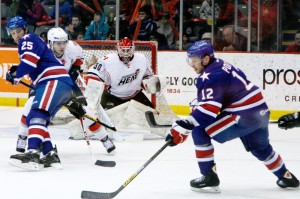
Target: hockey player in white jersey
(68, 53)
(124, 74)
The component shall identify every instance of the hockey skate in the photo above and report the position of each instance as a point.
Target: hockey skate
(51, 159)
(108, 144)
(29, 160)
(21, 143)
(288, 181)
(208, 183)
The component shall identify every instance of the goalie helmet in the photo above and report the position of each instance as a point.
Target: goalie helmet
(14, 23)
(125, 50)
(56, 34)
(201, 49)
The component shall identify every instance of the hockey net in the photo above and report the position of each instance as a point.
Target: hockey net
(93, 50)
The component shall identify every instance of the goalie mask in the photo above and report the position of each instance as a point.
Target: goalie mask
(57, 36)
(125, 50)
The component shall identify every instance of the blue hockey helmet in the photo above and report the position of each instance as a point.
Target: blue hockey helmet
(16, 22)
(201, 49)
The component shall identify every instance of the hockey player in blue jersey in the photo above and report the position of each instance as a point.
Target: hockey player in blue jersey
(53, 89)
(229, 106)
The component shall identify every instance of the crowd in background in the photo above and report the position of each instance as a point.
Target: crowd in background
(160, 22)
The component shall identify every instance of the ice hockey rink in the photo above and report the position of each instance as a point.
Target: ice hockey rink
(168, 176)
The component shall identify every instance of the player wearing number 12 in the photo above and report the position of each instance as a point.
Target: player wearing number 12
(229, 106)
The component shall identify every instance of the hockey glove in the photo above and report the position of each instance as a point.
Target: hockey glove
(289, 121)
(74, 72)
(10, 77)
(75, 108)
(179, 132)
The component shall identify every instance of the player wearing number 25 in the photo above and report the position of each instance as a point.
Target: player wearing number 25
(53, 88)
(229, 106)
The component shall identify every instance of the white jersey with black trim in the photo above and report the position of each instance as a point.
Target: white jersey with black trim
(122, 80)
(72, 55)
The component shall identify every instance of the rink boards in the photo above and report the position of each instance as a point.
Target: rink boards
(277, 74)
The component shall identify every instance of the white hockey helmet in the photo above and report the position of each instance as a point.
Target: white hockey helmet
(125, 50)
(56, 34)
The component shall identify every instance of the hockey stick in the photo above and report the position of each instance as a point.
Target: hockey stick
(106, 195)
(94, 161)
(85, 115)
(151, 120)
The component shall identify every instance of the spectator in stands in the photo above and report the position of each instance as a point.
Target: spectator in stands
(190, 31)
(268, 23)
(13, 8)
(233, 40)
(148, 26)
(22, 8)
(127, 9)
(206, 11)
(226, 13)
(165, 29)
(74, 28)
(98, 29)
(207, 36)
(80, 36)
(295, 47)
(86, 17)
(36, 13)
(43, 35)
(64, 12)
(111, 22)
(169, 6)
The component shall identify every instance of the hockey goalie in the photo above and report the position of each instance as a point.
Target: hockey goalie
(115, 83)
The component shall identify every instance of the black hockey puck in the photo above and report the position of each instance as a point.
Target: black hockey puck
(105, 163)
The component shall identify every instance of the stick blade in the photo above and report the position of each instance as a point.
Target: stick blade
(150, 118)
(105, 163)
(95, 195)
(152, 122)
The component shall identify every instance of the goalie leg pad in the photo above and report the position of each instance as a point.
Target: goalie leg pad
(76, 131)
(93, 92)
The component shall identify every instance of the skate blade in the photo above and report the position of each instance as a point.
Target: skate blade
(215, 189)
(33, 166)
(57, 166)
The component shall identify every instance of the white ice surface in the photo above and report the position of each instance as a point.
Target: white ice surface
(168, 176)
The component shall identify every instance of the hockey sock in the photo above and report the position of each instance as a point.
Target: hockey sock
(205, 157)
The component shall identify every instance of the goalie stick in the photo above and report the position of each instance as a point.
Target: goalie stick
(151, 120)
(106, 195)
(94, 161)
(85, 115)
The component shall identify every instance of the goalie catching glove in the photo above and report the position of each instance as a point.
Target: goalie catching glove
(179, 132)
(154, 84)
(289, 121)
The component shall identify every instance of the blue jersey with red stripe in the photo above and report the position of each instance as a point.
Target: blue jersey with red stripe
(222, 87)
(39, 62)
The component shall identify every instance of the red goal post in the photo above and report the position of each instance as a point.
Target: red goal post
(94, 49)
